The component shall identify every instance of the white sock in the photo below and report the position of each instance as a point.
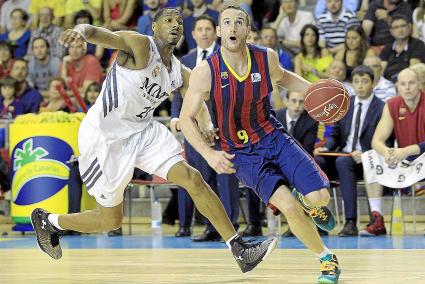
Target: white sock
(54, 220)
(231, 239)
(376, 204)
(324, 253)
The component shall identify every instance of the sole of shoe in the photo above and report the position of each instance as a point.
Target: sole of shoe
(38, 242)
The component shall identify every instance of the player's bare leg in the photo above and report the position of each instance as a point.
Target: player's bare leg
(303, 228)
(48, 227)
(247, 255)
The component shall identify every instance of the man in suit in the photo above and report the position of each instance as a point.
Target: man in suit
(203, 31)
(304, 129)
(352, 135)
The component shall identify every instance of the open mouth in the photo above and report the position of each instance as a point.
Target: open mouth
(232, 38)
(174, 33)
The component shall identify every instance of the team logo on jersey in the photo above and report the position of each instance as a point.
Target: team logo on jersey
(401, 113)
(173, 84)
(224, 75)
(255, 77)
(155, 71)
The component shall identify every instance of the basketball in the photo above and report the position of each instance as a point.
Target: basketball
(327, 101)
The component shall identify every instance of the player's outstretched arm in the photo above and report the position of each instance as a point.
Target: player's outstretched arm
(197, 92)
(96, 35)
(285, 78)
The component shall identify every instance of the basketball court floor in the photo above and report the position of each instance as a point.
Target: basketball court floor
(143, 258)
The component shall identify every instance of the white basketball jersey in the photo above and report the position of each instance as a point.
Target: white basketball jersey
(128, 97)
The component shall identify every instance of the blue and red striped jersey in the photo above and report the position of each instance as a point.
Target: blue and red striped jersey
(240, 106)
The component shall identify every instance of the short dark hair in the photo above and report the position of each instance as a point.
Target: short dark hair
(83, 14)
(397, 17)
(24, 13)
(162, 11)
(203, 17)
(42, 38)
(236, 7)
(363, 70)
(269, 28)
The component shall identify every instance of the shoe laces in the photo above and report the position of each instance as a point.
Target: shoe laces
(318, 212)
(329, 266)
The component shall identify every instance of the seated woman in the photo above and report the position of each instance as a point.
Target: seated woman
(313, 61)
(19, 35)
(54, 100)
(6, 59)
(356, 48)
(117, 13)
(10, 107)
(92, 92)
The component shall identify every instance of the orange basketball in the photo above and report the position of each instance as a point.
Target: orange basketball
(327, 101)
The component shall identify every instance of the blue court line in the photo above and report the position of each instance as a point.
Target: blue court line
(139, 242)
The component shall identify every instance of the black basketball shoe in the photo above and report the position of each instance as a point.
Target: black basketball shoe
(47, 235)
(248, 254)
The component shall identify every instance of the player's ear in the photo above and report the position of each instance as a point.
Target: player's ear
(218, 31)
(153, 27)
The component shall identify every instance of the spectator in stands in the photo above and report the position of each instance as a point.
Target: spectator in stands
(383, 89)
(144, 23)
(92, 92)
(404, 51)
(405, 115)
(377, 19)
(93, 7)
(419, 21)
(253, 36)
(80, 69)
(200, 7)
(19, 35)
(9, 105)
(6, 10)
(337, 71)
(101, 53)
(55, 100)
(289, 24)
(419, 68)
(42, 66)
(313, 61)
(49, 31)
(57, 6)
(350, 5)
(117, 13)
(29, 96)
(334, 24)
(356, 48)
(268, 38)
(6, 59)
(353, 135)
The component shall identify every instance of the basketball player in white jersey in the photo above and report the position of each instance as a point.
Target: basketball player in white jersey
(119, 134)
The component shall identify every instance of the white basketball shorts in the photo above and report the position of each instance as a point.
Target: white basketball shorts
(106, 167)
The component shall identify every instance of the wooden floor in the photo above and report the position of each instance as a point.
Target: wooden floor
(204, 266)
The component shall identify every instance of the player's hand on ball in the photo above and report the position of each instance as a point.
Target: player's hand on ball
(70, 36)
(220, 162)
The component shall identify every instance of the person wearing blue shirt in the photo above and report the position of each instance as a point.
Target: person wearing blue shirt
(9, 105)
(27, 95)
(199, 8)
(144, 23)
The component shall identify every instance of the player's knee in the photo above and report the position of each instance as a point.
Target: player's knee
(319, 198)
(291, 209)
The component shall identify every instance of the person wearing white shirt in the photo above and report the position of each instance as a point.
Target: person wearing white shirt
(289, 23)
(383, 89)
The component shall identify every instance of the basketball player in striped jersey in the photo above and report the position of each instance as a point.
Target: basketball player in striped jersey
(236, 82)
(119, 134)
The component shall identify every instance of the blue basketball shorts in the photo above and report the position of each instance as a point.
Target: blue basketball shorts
(277, 159)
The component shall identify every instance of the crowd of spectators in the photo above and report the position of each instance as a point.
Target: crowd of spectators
(329, 39)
